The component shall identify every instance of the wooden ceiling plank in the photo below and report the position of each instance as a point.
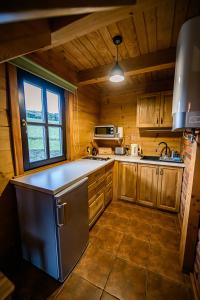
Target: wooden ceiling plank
(105, 34)
(89, 24)
(76, 53)
(151, 28)
(165, 23)
(21, 10)
(129, 36)
(84, 40)
(100, 46)
(164, 59)
(179, 18)
(138, 20)
(84, 51)
(23, 38)
(114, 30)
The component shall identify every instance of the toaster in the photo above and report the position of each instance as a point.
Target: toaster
(120, 150)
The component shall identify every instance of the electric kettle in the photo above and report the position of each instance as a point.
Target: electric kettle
(135, 148)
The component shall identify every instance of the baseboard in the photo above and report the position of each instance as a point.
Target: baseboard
(194, 287)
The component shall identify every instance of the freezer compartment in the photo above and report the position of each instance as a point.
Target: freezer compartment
(72, 226)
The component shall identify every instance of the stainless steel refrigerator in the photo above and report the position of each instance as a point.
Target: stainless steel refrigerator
(54, 228)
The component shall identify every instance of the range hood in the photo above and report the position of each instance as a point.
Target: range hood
(186, 95)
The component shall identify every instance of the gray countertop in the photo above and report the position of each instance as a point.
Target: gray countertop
(54, 180)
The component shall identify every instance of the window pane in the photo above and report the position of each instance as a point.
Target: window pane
(33, 103)
(36, 143)
(55, 141)
(53, 108)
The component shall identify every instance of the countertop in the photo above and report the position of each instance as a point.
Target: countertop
(129, 158)
(54, 180)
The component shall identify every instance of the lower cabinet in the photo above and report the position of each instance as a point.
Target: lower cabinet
(151, 185)
(147, 184)
(169, 188)
(127, 181)
(100, 191)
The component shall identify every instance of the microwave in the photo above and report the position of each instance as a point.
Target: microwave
(108, 131)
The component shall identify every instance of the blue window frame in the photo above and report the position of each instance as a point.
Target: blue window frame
(42, 107)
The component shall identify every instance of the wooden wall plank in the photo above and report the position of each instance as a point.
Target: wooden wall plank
(15, 120)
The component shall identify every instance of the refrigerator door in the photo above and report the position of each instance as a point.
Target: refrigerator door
(72, 226)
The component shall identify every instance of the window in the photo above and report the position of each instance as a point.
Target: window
(42, 120)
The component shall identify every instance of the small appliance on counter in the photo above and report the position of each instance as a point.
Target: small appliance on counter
(135, 150)
(120, 150)
(105, 150)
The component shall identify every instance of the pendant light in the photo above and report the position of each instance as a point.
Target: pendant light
(117, 73)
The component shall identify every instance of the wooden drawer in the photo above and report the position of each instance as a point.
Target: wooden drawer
(94, 187)
(96, 208)
(109, 167)
(96, 175)
(108, 194)
(109, 178)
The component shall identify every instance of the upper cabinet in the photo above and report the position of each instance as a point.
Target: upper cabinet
(154, 110)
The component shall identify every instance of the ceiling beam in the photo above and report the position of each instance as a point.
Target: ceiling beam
(87, 24)
(23, 38)
(21, 10)
(156, 61)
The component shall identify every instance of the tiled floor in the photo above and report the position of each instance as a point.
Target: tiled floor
(132, 255)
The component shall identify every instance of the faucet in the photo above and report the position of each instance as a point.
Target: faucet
(166, 148)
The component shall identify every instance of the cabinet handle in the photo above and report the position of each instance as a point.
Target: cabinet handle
(161, 172)
(161, 120)
(157, 121)
(157, 171)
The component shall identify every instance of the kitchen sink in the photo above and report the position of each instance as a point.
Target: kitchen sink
(165, 159)
(96, 158)
(156, 158)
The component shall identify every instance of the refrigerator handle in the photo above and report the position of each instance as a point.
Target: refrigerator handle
(61, 217)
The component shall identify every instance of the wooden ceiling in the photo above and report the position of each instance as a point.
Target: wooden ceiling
(152, 27)
(82, 44)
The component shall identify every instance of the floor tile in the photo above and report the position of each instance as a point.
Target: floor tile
(164, 220)
(134, 251)
(160, 288)
(166, 238)
(106, 296)
(139, 230)
(77, 288)
(165, 262)
(107, 239)
(126, 282)
(95, 266)
(113, 222)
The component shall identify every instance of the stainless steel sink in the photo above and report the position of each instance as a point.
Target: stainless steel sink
(165, 159)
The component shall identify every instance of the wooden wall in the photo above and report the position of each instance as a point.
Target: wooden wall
(121, 111)
(9, 235)
(85, 117)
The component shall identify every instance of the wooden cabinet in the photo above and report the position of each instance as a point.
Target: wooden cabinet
(148, 110)
(127, 181)
(166, 109)
(169, 188)
(154, 110)
(150, 185)
(99, 191)
(147, 184)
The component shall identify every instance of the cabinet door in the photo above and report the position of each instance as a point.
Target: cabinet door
(169, 188)
(148, 107)
(127, 181)
(147, 184)
(166, 109)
